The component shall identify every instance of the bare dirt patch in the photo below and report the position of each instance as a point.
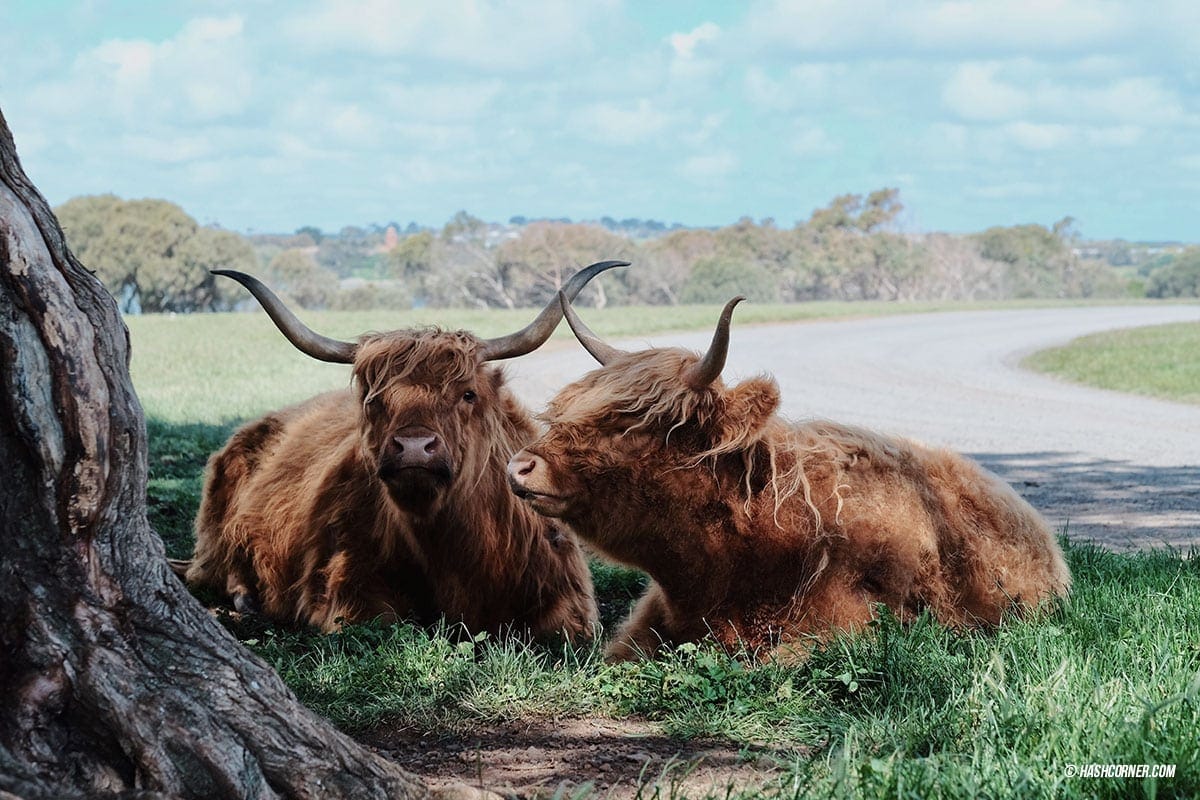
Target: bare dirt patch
(542, 758)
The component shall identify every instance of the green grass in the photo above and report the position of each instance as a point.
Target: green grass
(1112, 676)
(178, 453)
(1160, 361)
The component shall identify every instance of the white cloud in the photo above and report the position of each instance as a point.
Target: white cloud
(942, 27)
(1114, 135)
(1134, 99)
(442, 101)
(1018, 25)
(31, 141)
(702, 133)
(811, 140)
(981, 92)
(1014, 190)
(973, 92)
(130, 63)
(1034, 136)
(685, 44)
(692, 53)
(1191, 161)
(443, 139)
(709, 167)
(353, 125)
(765, 92)
(403, 173)
(812, 26)
(803, 86)
(291, 148)
(944, 138)
(477, 34)
(610, 123)
(199, 75)
(996, 143)
(169, 149)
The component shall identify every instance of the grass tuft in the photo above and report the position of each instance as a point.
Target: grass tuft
(1159, 361)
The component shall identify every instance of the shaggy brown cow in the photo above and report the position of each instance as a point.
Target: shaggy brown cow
(764, 533)
(389, 499)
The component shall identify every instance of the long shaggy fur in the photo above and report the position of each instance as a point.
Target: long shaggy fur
(296, 519)
(766, 534)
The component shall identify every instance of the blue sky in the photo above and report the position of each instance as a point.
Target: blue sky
(261, 115)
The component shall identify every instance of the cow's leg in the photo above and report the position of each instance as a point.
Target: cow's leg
(568, 606)
(644, 631)
(356, 592)
(225, 567)
(221, 560)
(239, 585)
(836, 606)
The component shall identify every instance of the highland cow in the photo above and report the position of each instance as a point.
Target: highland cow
(766, 534)
(389, 499)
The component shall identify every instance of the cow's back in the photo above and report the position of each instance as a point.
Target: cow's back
(994, 545)
(917, 527)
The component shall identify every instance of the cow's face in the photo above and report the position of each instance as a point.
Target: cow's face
(430, 413)
(623, 440)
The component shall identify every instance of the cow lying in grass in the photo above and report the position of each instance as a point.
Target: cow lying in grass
(763, 533)
(389, 499)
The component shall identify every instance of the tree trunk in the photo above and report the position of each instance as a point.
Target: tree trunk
(113, 680)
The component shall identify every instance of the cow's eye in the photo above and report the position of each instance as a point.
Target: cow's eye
(470, 396)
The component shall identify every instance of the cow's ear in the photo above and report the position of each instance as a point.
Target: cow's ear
(496, 377)
(748, 407)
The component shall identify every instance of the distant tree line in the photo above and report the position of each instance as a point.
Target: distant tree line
(150, 254)
(154, 257)
(1177, 276)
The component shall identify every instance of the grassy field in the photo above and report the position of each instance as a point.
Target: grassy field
(1161, 361)
(1112, 676)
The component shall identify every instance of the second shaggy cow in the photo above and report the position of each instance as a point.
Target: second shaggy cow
(763, 533)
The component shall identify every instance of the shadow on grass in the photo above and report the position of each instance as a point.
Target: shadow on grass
(178, 453)
(1117, 504)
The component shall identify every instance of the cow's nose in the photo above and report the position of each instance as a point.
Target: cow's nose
(417, 448)
(522, 465)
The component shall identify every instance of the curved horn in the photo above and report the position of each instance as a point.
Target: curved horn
(533, 335)
(600, 350)
(706, 370)
(304, 338)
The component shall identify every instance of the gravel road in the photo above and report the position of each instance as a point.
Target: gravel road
(1115, 468)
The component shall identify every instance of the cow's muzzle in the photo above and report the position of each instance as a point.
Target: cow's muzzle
(415, 446)
(415, 466)
(529, 480)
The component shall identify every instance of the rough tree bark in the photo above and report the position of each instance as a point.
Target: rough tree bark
(113, 680)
